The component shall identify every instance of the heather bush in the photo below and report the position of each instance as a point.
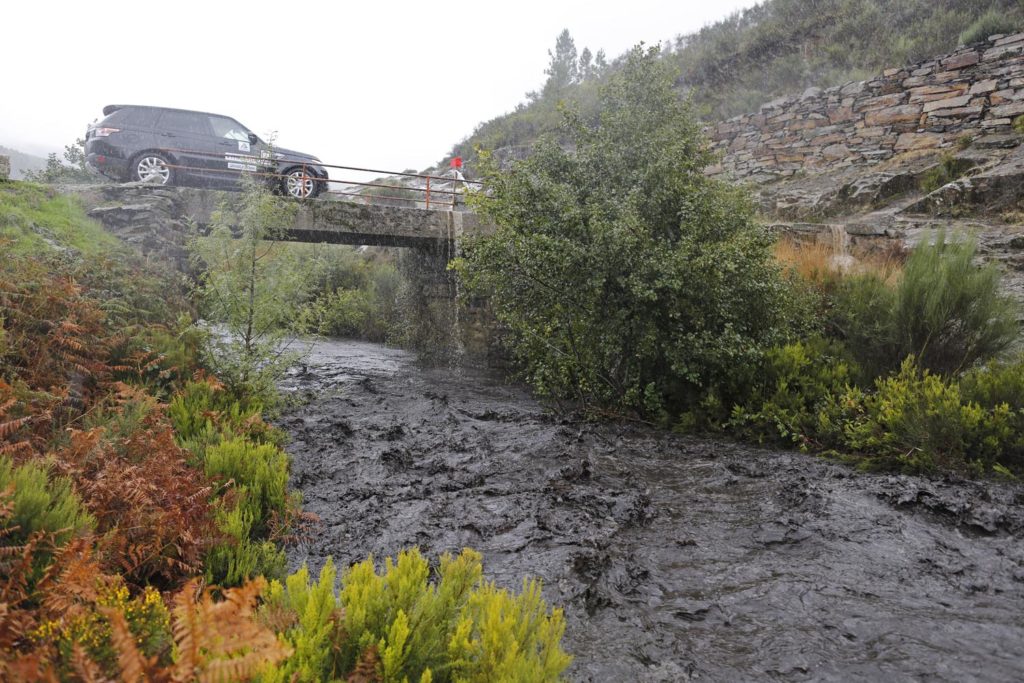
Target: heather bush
(258, 470)
(240, 554)
(204, 413)
(40, 504)
(399, 625)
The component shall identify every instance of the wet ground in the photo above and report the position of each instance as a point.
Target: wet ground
(675, 558)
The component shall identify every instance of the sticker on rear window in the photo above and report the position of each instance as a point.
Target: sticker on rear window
(243, 146)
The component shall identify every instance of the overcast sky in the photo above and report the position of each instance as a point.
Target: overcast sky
(388, 85)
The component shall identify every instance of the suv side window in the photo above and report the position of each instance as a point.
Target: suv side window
(223, 127)
(133, 117)
(184, 122)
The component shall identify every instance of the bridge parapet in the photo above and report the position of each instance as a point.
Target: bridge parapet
(316, 221)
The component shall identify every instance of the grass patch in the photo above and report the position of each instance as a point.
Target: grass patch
(37, 220)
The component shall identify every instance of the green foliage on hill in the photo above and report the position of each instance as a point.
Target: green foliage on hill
(775, 48)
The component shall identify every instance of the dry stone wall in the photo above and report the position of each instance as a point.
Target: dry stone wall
(978, 89)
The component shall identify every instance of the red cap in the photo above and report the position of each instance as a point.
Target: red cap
(457, 162)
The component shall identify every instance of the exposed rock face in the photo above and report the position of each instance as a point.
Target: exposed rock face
(976, 90)
(153, 220)
(5, 168)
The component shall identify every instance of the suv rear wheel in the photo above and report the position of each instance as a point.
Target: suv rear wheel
(300, 183)
(150, 167)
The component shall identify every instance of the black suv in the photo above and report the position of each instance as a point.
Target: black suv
(176, 146)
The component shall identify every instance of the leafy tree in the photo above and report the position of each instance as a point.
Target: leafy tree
(628, 278)
(251, 286)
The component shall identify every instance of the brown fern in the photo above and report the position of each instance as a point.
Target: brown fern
(134, 666)
(222, 641)
(367, 668)
(85, 668)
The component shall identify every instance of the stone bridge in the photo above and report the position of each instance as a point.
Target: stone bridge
(158, 222)
(132, 207)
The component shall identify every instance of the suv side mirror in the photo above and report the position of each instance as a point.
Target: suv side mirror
(253, 139)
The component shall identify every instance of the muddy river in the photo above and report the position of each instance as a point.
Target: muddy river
(675, 558)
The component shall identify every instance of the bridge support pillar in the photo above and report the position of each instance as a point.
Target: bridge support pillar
(430, 302)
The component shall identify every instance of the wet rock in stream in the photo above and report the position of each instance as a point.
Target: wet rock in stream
(675, 558)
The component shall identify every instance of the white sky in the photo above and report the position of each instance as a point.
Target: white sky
(389, 85)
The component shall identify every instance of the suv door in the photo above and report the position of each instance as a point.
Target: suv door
(240, 153)
(188, 137)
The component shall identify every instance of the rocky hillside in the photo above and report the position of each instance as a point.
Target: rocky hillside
(773, 49)
(930, 146)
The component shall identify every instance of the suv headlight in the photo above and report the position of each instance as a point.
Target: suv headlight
(104, 132)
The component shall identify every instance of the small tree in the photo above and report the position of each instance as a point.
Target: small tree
(626, 276)
(563, 70)
(252, 288)
(72, 170)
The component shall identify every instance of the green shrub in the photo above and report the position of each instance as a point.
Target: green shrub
(946, 311)
(862, 317)
(357, 297)
(240, 556)
(457, 628)
(999, 387)
(258, 470)
(41, 504)
(946, 171)
(949, 312)
(627, 278)
(990, 23)
(918, 421)
(793, 382)
(202, 413)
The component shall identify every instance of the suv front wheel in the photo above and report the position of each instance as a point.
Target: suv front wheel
(300, 183)
(150, 167)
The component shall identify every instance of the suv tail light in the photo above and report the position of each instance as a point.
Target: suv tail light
(104, 132)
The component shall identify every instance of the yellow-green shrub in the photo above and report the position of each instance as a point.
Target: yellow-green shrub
(260, 469)
(918, 421)
(241, 554)
(407, 628)
(40, 504)
(203, 412)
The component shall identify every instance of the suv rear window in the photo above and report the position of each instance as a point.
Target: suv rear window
(184, 122)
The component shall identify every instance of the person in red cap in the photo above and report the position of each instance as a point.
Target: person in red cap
(458, 182)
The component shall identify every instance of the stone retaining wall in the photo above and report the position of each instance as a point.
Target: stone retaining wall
(976, 90)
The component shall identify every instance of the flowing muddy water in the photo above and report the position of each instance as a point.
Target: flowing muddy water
(675, 558)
